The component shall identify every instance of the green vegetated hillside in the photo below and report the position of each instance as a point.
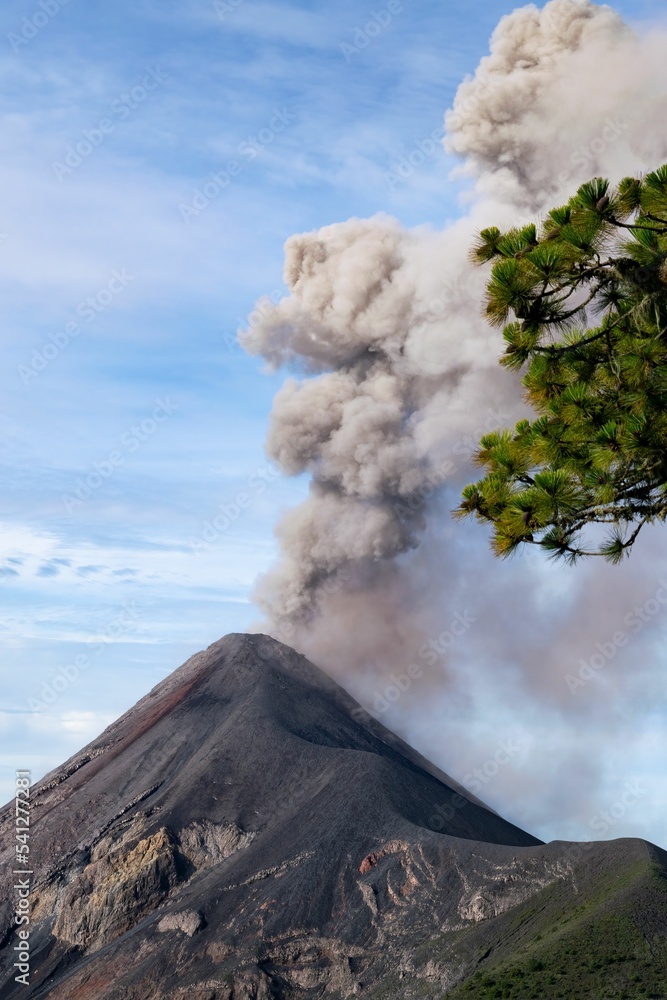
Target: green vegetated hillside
(609, 943)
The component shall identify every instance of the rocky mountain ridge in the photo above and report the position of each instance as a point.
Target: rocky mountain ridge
(248, 831)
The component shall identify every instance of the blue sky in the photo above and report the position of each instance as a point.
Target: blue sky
(123, 289)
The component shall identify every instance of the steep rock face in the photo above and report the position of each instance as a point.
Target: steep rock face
(110, 895)
(246, 830)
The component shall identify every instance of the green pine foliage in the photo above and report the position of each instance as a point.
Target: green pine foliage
(582, 300)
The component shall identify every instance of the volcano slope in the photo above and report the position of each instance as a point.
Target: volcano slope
(248, 831)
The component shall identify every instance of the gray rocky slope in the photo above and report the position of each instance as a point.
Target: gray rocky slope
(247, 831)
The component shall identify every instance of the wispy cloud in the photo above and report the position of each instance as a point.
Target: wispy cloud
(63, 575)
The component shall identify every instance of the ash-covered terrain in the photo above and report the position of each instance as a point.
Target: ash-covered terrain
(248, 831)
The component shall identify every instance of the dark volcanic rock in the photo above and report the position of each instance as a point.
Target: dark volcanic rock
(248, 831)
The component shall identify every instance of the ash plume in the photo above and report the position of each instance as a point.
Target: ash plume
(384, 323)
(567, 92)
(395, 377)
(394, 365)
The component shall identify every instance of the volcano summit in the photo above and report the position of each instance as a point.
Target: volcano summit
(247, 830)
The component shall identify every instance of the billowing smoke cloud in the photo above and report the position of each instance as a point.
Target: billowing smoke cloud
(400, 366)
(567, 92)
(396, 380)
(397, 363)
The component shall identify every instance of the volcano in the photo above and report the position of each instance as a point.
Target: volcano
(247, 830)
